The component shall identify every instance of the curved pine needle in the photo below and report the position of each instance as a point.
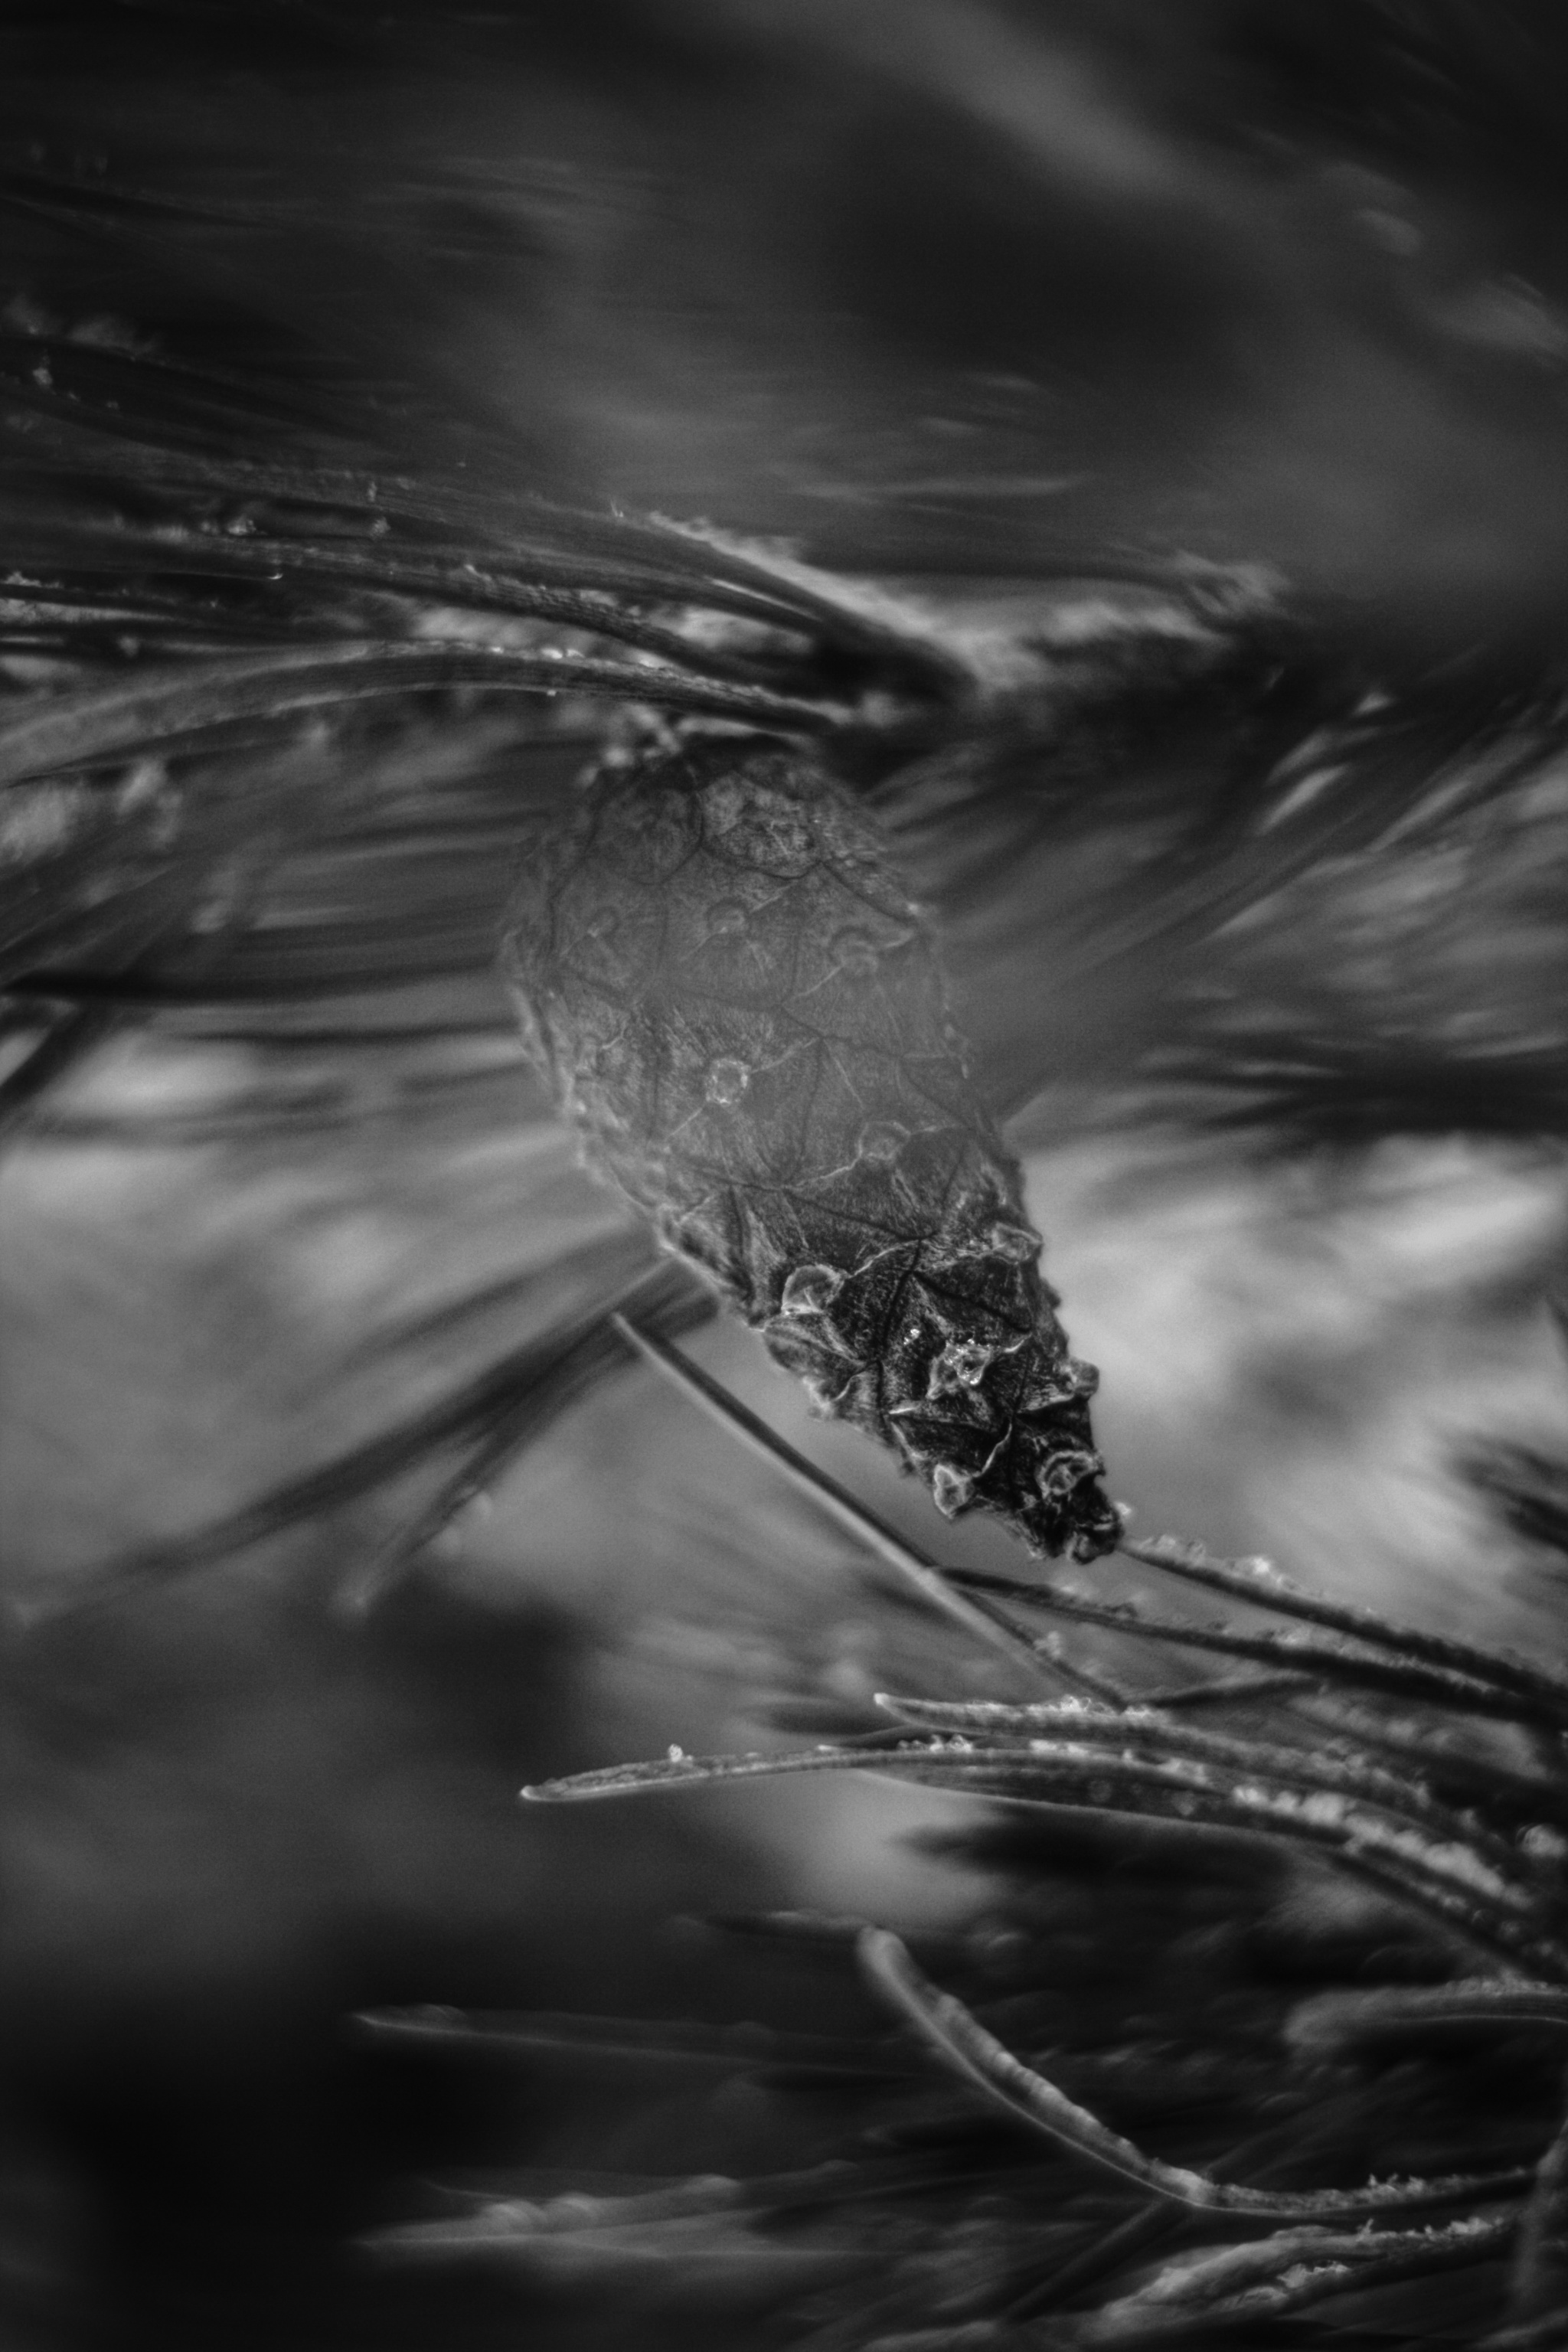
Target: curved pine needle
(1228, 1690)
(1333, 2022)
(970, 2050)
(1285, 2272)
(1345, 1773)
(1258, 1583)
(1431, 1750)
(679, 1770)
(1417, 1859)
(1296, 1653)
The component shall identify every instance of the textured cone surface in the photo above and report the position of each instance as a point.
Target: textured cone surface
(739, 1002)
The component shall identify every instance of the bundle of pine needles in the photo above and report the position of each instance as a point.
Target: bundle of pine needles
(1265, 2020)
